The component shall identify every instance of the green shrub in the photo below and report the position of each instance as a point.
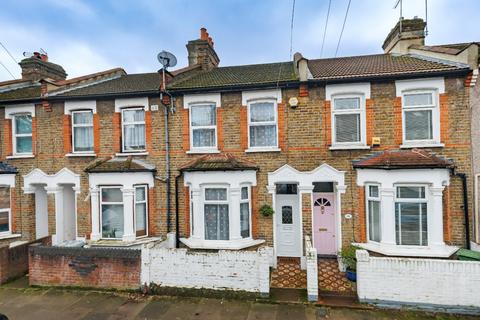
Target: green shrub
(266, 210)
(349, 258)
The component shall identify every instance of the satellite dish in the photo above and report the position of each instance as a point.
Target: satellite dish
(167, 59)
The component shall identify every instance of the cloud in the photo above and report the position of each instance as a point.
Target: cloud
(76, 7)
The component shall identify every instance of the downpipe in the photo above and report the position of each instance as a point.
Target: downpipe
(463, 176)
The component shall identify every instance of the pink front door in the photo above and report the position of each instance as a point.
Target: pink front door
(324, 223)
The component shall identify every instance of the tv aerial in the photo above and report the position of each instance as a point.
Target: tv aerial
(167, 59)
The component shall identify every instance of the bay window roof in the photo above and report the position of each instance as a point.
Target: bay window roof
(403, 159)
(119, 164)
(218, 162)
(5, 168)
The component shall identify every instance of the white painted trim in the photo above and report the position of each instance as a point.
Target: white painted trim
(125, 179)
(323, 173)
(131, 102)
(77, 155)
(21, 156)
(387, 178)
(360, 88)
(126, 154)
(362, 111)
(271, 94)
(209, 127)
(80, 105)
(476, 204)
(190, 99)
(252, 150)
(409, 251)
(423, 145)
(11, 110)
(202, 151)
(9, 235)
(420, 84)
(348, 147)
(238, 244)
(7, 180)
(37, 176)
(264, 123)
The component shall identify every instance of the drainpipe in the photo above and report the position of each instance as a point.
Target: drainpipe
(167, 144)
(177, 231)
(463, 176)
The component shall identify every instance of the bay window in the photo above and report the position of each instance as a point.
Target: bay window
(133, 128)
(82, 131)
(203, 126)
(111, 206)
(245, 212)
(348, 115)
(373, 213)
(216, 214)
(141, 209)
(411, 215)
(5, 216)
(262, 124)
(22, 134)
(420, 117)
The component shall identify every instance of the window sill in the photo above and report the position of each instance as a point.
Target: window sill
(119, 243)
(251, 150)
(442, 251)
(74, 155)
(21, 156)
(200, 151)
(422, 145)
(126, 154)
(349, 147)
(220, 244)
(9, 236)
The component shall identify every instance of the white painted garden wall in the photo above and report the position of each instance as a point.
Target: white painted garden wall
(418, 282)
(222, 270)
(312, 270)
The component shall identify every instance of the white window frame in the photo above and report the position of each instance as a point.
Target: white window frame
(202, 149)
(101, 202)
(135, 209)
(435, 117)
(15, 134)
(368, 198)
(249, 201)
(217, 202)
(361, 111)
(133, 123)
(412, 200)
(265, 123)
(9, 210)
(81, 126)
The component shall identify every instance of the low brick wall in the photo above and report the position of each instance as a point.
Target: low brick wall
(14, 260)
(85, 267)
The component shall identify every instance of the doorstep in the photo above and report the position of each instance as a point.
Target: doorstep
(123, 244)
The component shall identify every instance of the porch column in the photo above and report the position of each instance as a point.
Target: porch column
(234, 214)
(59, 236)
(435, 217)
(128, 218)
(95, 235)
(387, 220)
(198, 217)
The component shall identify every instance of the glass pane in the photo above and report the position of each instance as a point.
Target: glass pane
(418, 125)
(418, 99)
(373, 191)
(286, 188)
(323, 187)
(216, 194)
(262, 111)
(112, 220)
(133, 115)
(244, 193)
(24, 144)
(203, 115)
(411, 192)
(216, 222)
(346, 103)
(287, 215)
(411, 223)
(82, 118)
(83, 138)
(134, 137)
(112, 195)
(141, 219)
(374, 221)
(4, 224)
(245, 220)
(4, 198)
(23, 124)
(140, 194)
(263, 136)
(347, 128)
(204, 138)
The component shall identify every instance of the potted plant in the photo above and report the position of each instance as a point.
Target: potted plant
(266, 210)
(349, 260)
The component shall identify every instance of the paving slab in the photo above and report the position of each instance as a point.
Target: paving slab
(260, 311)
(290, 312)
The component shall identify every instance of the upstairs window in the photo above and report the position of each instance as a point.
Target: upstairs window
(216, 214)
(262, 123)
(420, 117)
(348, 120)
(203, 126)
(82, 131)
(5, 216)
(133, 123)
(411, 216)
(22, 134)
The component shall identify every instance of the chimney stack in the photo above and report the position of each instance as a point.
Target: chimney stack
(405, 33)
(37, 67)
(201, 51)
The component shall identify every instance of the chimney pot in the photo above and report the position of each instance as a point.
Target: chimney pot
(203, 34)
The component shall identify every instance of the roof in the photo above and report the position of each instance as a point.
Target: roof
(403, 159)
(376, 65)
(119, 164)
(30, 92)
(5, 168)
(453, 48)
(218, 162)
(255, 74)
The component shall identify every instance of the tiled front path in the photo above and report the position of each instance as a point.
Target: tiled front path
(331, 280)
(288, 274)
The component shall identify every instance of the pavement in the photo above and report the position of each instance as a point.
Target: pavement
(18, 301)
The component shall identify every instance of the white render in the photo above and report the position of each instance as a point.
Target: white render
(190, 99)
(222, 270)
(419, 282)
(11, 110)
(80, 105)
(420, 84)
(131, 102)
(312, 270)
(361, 88)
(271, 94)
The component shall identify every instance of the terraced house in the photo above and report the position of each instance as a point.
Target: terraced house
(369, 149)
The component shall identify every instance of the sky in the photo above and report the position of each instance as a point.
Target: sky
(86, 36)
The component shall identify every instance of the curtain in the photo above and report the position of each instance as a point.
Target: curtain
(418, 125)
(134, 136)
(263, 136)
(83, 138)
(245, 219)
(140, 211)
(216, 222)
(347, 128)
(112, 220)
(418, 99)
(204, 115)
(204, 138)
(216, 194)
(262, 112)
